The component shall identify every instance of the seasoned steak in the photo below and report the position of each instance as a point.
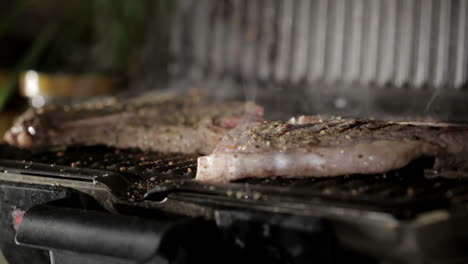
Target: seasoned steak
(166, 123)
(313, 147)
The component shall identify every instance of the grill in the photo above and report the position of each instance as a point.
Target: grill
(120, 181)
(370, 58)
(402, 43)
(134, 176)
(132, 173)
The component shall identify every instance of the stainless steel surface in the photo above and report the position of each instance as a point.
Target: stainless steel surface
(419, 43)
(378, 58)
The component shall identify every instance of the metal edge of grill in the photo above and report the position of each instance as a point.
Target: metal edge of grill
(134, 176)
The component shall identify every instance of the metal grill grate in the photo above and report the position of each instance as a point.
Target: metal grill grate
(140, 170)
(148, 175)
(415, 43)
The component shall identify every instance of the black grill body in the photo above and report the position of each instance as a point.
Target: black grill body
(95, 211)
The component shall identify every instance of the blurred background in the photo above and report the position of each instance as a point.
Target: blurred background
(371, 58)
(54, 51)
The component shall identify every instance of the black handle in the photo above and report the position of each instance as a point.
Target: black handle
(78, 230)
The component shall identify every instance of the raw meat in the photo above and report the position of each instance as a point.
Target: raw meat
(167, 122)
(316, 147)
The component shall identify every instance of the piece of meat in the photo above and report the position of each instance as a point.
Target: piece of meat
(313, 147)
(168, 122)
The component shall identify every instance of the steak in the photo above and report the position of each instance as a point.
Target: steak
(310, 146)
(167, 122)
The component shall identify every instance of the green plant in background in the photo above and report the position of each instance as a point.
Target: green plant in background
(92, 36)
(119, 25)
(30, 57)
(129, 33)
(45, 39)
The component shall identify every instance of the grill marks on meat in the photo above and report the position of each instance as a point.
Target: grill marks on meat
(309, 146)
(168, 124)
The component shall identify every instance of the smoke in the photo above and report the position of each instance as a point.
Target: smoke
(250, 95)
(429, 109)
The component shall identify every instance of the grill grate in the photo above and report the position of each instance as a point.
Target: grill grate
(142, 170)
(403, 193)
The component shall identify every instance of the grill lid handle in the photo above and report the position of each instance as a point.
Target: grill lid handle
(74, 229)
